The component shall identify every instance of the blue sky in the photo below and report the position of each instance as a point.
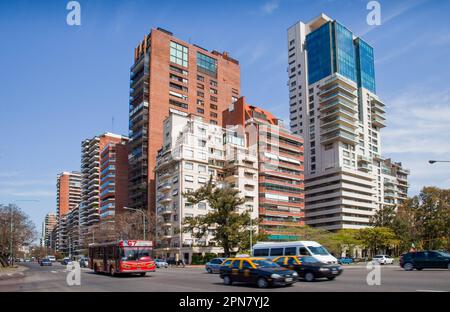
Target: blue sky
(62, 84)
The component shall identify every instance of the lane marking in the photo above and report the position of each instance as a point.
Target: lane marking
(430, 290)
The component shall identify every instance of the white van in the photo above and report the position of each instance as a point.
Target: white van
(271, 250)
(51, 258)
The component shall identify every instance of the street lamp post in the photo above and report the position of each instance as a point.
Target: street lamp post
(143, 217)
(435, 161)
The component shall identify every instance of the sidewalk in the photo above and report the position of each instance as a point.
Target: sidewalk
(9, 273)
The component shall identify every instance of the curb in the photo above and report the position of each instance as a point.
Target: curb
(18, 273)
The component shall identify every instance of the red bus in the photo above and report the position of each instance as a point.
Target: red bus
(124, 256)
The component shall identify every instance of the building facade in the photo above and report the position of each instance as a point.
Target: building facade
(334, 106)
(91, 164)
(171, 75)
(113, 179)
(193, 152)
(394, 183)
(47, 228)
(68, 196)
(280, 167)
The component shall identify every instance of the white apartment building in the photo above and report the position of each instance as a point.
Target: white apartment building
(334, 106)
(192, 152)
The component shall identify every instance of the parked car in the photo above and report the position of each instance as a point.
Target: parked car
(66, 261)
(345, 260)
(425, 260)
(46, 262)
(160, 263)
(309, 267)
(213, 266)
(259, 271)
(52, 258)
(383, 259)
(84, 262)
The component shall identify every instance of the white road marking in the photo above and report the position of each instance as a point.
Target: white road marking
(430, 290)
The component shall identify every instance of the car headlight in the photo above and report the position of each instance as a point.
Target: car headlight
(295, 274)
(275, 276)
(323, 269)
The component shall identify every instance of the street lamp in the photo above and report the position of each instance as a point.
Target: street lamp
(435, 161)
(143, 217)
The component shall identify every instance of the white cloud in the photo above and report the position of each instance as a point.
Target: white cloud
(269, 7)
(418, 130)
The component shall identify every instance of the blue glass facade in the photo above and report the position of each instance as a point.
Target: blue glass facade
(331, 49)
(318, 44)
(344, 52)
(365, 65)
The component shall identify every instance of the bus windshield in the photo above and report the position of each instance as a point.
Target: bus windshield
(321, 251)
(134, 253)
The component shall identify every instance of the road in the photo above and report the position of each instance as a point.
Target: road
(53, 278)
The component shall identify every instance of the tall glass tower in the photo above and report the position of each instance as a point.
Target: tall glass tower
(334, 106)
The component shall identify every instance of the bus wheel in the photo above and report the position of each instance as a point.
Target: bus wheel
(95, 268)
(112, 271)
(142, 273)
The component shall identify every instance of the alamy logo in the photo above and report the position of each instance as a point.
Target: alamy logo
(73, 277)
(74, 15)
(374, 16)
(374, 276)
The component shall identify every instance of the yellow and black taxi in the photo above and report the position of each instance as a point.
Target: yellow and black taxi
(309, 268)
(259, 271)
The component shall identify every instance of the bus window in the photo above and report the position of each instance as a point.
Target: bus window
(261, 252)
(289, 251)
(302, 251)
(276, 251)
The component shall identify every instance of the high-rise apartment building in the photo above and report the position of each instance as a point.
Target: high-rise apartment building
(91, 164)
(280, 167)
(193, 152)
(68, 192)
(334, 106)
(47, 228)
(113, 179)
(68, 196)
(395, 182)
(171, 75)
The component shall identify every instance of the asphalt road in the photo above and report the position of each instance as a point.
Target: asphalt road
(353, 279)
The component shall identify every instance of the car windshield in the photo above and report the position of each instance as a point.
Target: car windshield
(132, 253)
(378, 257)
(321, 251)
(265, 264)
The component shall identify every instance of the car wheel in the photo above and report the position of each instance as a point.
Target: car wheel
(209, 270)
(419, 269)
(112, 271)
(408, 266)
(142, 273)
(330, 278)
(227, 280)
(448, 266)
(95, 268)
(309, 277)
(262, 283)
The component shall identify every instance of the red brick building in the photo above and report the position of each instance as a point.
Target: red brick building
(280, 158)
(171, 75)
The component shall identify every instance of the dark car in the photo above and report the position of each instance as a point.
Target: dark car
(213, 266)
(46, 262)
(425, 260)
(259, 271)
(309, 268)
(66, 261)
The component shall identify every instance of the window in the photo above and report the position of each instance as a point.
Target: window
(276, 251)
(206, 64)
(280, 261)
(201, 143)
(201, 206)
(200, 102)
(290, 251)
(200, 78)
(236, 264)
(213, 115)
(189, 166)
(179, 104)
(201, 168)
(200, 86)
(178, 54)
(261, 252)
(179, 70)
(213, 98)
(213, 106)
(246, 265)
(291, 261)
(201, 180)
(200, 110)
(302, 251)
(213, 83)
(200, 94)
(189, 178)
(213, 91)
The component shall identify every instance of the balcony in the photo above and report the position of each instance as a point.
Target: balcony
(378, 106)
(165, 200)
(378, 121)
(339, 136)
(166, 211)
(165, 187)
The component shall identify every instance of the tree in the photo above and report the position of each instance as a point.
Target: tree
(384, 217)
(229, 228)
(23, 230)
(347, 240)
(377, 239)
(323, 237)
